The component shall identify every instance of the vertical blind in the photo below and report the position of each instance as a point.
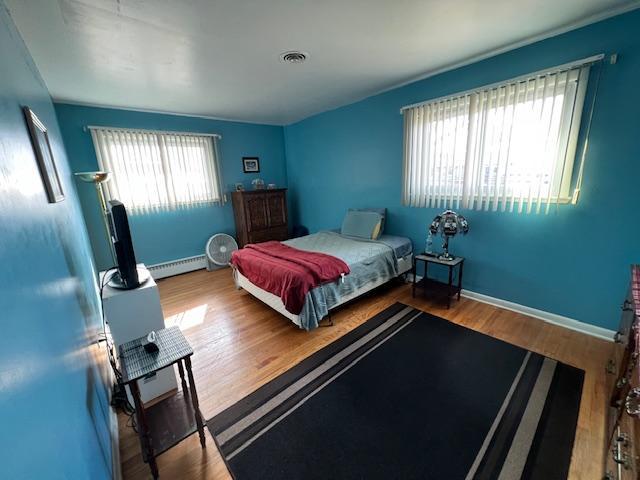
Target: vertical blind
(510, 146)
(159, 170)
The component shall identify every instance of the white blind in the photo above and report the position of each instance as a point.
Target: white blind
(159, 170)
(510, 146)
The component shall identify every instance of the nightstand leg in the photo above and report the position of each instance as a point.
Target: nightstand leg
(143, 430)
(182, 379)
(450, 287)
(424, 285)
(414, 273)
(194, 400)
(460, 279)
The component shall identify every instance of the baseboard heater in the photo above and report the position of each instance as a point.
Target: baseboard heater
(176, 267)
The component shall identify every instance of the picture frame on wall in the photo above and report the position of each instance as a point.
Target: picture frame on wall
(44, 156)
(251, 164)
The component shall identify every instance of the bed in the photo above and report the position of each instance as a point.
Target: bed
(371, 264)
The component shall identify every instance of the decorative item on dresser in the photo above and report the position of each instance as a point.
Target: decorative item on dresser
(623, 421)
(260, 215)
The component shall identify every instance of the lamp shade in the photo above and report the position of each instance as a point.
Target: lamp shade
(449, 224)
(94, 177)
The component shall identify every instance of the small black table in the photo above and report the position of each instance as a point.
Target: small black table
(136, 363)
(436, 287)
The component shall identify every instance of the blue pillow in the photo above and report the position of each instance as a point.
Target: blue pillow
(361, 224)
(381, 211)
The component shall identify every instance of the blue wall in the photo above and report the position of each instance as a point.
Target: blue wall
(574, 262)
(166, 236)
(54, 413)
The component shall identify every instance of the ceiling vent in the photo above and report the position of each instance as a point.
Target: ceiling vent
(293, 57)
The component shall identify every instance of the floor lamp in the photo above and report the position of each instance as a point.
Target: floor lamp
(98, 178)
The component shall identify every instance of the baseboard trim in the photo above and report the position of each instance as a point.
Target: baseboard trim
(114, 429)
(566, 322)
(116, 468)
(555, 319)
(176, 267)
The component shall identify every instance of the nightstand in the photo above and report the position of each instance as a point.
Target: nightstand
(434, 287)
(169, 421)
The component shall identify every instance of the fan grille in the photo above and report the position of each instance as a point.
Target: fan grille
(220, 247)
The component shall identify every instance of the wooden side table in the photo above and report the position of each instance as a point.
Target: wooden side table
(136, 364)
(437, 288)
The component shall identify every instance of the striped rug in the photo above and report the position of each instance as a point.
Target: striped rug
(407, 395)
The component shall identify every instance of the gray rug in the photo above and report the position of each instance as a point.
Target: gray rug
(408, 395)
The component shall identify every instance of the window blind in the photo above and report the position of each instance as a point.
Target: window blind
(510, 146)
(159, 170)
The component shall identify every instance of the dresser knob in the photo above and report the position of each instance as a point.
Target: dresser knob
(632, 403)
(622, 459)
(623, 439)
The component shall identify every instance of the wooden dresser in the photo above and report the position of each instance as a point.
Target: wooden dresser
(260, 215)
(623, 422)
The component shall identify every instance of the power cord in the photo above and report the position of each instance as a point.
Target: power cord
(119, 398)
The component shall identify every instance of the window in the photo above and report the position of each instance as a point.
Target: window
(159, 170)
(507, 146)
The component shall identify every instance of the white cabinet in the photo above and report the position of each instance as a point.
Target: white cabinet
(132, 314)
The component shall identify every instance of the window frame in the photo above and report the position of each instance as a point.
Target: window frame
(565, 164)
(167, 143)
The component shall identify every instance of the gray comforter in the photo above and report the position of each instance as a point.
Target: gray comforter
(369, 261)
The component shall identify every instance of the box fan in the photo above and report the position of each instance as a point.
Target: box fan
(218, 251)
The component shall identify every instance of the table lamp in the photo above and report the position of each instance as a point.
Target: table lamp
(448, 224)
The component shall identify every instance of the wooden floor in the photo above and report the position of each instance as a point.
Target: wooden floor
(240, 344)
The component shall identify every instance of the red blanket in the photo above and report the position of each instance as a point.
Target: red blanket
(286, 271)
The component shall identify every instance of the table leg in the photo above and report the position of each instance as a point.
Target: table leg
(450, 287)
(182, 379)
(460, 279)
(194, 400)
(143, 430)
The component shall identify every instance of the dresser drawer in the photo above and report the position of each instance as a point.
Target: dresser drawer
(623, 419)
(255, 211)
(277, 209)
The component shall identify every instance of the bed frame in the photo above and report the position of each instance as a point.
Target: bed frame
(405, 265)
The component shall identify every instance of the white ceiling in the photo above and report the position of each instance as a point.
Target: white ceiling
(220, 58)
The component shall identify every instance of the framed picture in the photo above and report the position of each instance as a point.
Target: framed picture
(44, 156)
(251, 164)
